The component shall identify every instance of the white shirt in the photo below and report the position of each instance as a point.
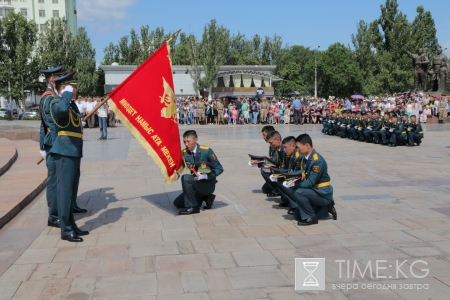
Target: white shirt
(89, 106)
(81, 106)
(102, 113)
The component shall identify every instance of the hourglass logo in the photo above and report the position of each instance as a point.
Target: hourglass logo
(309, 274)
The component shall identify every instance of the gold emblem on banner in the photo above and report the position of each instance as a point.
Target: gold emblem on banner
(203, 166)
(168, 98)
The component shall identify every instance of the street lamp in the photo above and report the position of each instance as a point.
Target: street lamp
(315, 74)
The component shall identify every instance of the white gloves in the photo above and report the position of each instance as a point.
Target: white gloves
(409, 129)
(288, 185)
(272, 179)
(83, 123)
(202, 177)
(43, 154)
(369, 128)
(67, 88)
(391, 130)
(250, 164)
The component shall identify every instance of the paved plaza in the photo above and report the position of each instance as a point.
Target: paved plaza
(393, 206)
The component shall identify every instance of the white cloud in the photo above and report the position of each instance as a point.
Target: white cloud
(103, 10)
(446, 45)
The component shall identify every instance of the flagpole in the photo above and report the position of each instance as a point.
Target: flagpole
(174, 36)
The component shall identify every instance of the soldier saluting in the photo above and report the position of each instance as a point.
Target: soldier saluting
(67, 151)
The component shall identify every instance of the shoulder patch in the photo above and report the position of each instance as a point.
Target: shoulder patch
(204, 147)
(315, 156)
(316, 169)
(213, 156)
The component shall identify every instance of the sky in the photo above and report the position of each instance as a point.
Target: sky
(299, 22)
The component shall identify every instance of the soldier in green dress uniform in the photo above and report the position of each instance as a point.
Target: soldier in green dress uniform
(313, 194)
(67, 150)
(415, 132)
(396, 130)
(277, 154)
(293, 162)
(46, 138)
(197, 186)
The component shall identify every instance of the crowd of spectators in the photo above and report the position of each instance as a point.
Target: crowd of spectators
(245, 110)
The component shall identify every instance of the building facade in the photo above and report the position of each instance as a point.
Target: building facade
(41, 11)
(230, 81)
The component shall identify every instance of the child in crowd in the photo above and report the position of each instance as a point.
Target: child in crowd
(234, 113)
(247, 114)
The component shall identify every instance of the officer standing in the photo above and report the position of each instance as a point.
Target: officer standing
(67, 151)
(201, 111)
(264, 106)
(442, 110)
(200, 187)
(314, 194)
(47, 136)
(220, 112)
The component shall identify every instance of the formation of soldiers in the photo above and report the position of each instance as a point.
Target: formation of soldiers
(297, 174)
(372, 128)
(61, 145)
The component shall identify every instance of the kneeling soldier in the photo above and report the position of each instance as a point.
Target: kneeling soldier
(315, 194)
(415, 132)
(198, 186)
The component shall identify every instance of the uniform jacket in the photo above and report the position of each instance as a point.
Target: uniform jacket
(203, 153)
(278, 155)
(316, 172)
(416, 128)
(68, 123)
(46, 139)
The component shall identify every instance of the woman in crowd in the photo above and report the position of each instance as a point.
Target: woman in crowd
(425, 114)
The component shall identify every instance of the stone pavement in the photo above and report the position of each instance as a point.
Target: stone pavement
(392, 205)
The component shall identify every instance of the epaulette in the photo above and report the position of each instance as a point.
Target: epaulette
(398, 122)
(315, 156)
(204, 147)
(184, 150)
(297, 154)
(417, 123)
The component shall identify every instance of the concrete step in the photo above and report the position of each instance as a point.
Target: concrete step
(22, 182)
(8, 154)
(435, 120)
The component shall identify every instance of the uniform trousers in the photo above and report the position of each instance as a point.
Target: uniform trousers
(263, 115)
(269, 187)
(201, 115)
(68, 177)
(414, 138)
(193, 192)
(385, 136)
(311, 204)
(52, 199)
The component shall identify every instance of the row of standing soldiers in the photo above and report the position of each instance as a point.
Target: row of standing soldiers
(372, 128)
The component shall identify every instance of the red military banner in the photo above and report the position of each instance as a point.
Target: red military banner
(145, 102)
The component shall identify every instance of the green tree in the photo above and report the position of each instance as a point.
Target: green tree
(423, 31)
(339, 72)
(214, 47)
(180, 51)
(56, 45)
(18, 67)
(194, 52)
(85, 63)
